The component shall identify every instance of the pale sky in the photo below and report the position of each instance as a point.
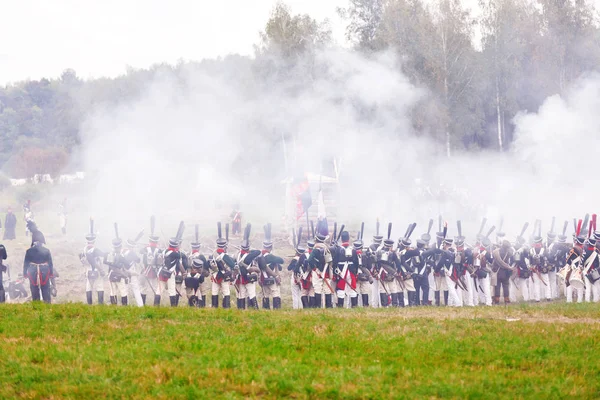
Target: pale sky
(41, 38)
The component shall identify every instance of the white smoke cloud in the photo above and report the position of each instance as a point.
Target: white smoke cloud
(212, 137)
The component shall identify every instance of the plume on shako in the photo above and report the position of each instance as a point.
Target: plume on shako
(267, 242)
(153, 238)
(298, 241)
(245, 246)
(176, 241)
(91, 236)
(221, 242)
(196, 244)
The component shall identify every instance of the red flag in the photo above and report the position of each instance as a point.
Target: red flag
(303, 199)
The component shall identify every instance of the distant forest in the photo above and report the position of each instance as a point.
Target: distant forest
(528, 50)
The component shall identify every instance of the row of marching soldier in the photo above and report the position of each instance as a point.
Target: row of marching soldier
(338, 269)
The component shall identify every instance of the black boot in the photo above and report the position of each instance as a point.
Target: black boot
(88, 296)
(276, 303)
(445, 297)
(215, 301)
(328, 301)
(173, 300)
(241, 304)
(304, 300)
(2, 296)
(100, 297)
(394, 299)
(266, 303)
(417, 293)
(202, 301)
(157, 300)
(318, 302)
(436, 294)
(124, 300)
(401, 302)
(143, 299)
(226, 302)
(425, 299)
(113, 300)
(253, 303)
(354, 302)
(238, 304)
(411, 299)
(383, 299)
(340, 302)
(192, 301)
(365, 300)
(176, 300)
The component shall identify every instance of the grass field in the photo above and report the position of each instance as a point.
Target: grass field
(76, 351)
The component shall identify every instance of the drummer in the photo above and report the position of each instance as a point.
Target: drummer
(574, 279)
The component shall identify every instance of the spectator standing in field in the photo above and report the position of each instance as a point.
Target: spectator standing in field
(10, 225)
(62, 214)
(3, 257)
(28, 216)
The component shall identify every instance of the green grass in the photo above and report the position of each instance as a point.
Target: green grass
(76, 351)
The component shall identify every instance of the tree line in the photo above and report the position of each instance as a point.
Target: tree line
(526, 50)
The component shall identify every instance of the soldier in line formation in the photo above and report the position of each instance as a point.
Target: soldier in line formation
(335, 271)
(449, 271)
(154, 271)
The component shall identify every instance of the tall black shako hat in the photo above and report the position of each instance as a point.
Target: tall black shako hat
(405, 241)
(267, 243)
(521, 238)
(389, 243)
(153, 238)
(91, 236)
(310, 243)
(320, 238)
(176, 241)
(426, 237)
(298, 241)
(221, 242)
(196, 244)
(358, 243)
(480, 235)
(460, 239)
(485, 240)
(133, 242)
(246, 241)
(377, 238)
